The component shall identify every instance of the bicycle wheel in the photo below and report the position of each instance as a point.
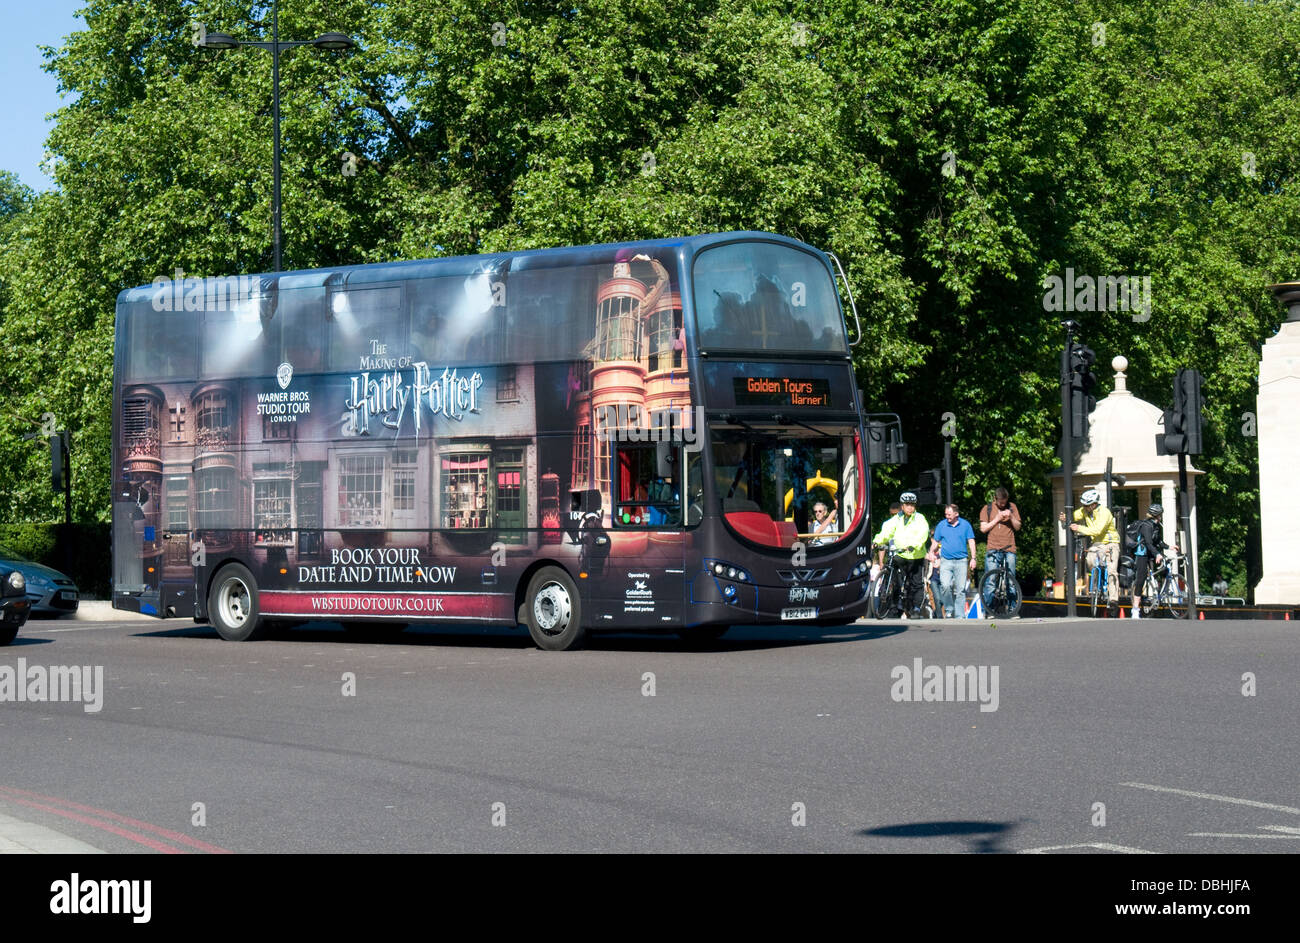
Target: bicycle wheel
(1162, 603)
(1094, 590)
(1014, 596)
(1156, 605)
(990, 593)
(882, 597)
(1001, 593)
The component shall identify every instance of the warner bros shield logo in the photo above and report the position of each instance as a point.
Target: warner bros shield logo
(284, 374)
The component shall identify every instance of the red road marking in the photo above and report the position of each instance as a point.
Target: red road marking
(16, 795)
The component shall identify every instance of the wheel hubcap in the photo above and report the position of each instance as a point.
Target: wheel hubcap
(552, 608)
(234, 602)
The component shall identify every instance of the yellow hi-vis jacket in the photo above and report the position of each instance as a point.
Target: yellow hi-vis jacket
(1099, 525)
(906, 533)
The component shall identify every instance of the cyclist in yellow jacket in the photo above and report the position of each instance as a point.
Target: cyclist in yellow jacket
(1093, 520)
(910, 534)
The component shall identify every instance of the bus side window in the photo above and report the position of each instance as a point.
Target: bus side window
(693, 492)
(646, 489)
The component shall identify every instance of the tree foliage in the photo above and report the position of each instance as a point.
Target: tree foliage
(952, 153)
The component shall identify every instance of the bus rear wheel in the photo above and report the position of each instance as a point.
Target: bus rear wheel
(553, 611)
(232, 605)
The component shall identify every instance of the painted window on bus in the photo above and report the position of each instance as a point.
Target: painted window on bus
(464, 486)
(511, 496)
(215, 421)
(361, 491)
(178, 519)
(272, 506)
(215, 498)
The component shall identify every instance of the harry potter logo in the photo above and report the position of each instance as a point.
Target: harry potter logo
(387, 397)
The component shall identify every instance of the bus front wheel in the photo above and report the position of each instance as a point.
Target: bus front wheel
(232, 604)
(553, 611)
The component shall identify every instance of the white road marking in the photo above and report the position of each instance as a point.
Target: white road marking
(80, 628)
(1101, 845)
(1238, 835)
(1208, 795)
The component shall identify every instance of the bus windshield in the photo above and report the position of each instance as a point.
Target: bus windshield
(765, 296)
(790, 485)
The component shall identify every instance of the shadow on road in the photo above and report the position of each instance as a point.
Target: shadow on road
(985, 836)
(738, 639)
(21, 640)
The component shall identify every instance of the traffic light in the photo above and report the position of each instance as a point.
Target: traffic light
(1172, 441)
(885, 445)
(895, 449)
(929, 489)
(58, 459)
(1082, 384)
(1189, 381)
(1182, 423)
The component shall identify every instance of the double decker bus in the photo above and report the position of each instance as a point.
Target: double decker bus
(651, 435)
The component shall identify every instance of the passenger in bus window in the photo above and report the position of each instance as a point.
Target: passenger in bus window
(823, 523)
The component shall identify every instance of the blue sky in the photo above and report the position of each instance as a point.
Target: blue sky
(29, 93)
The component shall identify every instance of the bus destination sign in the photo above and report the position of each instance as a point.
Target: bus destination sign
(782, 391)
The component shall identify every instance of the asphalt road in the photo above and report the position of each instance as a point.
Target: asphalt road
(472, 740)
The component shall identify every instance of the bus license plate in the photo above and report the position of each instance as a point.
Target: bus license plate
(798, 614)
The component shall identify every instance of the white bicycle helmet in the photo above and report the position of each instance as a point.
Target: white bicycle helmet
(1090, 496)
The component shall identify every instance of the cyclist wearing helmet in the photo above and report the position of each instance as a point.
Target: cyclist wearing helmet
(1093, 520)
(909, 531)
(1151, 543)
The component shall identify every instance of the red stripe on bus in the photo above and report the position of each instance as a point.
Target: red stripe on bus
(397, 605)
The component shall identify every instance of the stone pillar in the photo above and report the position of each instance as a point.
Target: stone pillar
(1279, 455)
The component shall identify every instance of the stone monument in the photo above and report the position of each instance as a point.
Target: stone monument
(1279, 454)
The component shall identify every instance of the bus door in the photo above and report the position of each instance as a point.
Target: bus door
(644, 582)
(137, 547)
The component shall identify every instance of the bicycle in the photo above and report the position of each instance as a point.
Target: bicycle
(1165, 590)
(888, 592)
(999, 588)
(1099, 584)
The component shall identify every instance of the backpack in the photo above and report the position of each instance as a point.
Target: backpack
(1132, 538)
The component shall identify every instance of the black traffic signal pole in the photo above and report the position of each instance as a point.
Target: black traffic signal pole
(65, 442)
(1182, 436)
(1067, 465)
(1185, 516)
(947, 469)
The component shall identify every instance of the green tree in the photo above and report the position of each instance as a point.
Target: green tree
(952, 153)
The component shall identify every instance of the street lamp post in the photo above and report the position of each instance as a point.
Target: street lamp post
(330, 41)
